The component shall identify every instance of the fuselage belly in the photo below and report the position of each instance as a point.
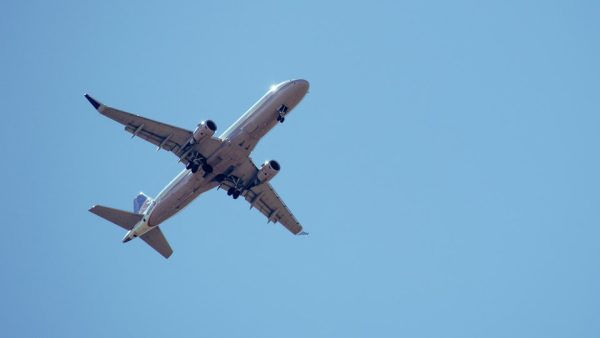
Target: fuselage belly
(238, 142)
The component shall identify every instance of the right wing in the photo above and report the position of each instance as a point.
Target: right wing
(162, 135)
(263, 198)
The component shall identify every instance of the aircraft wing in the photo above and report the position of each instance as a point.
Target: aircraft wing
(160, 134)
(263, 198)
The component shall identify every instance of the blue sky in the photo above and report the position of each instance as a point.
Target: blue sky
(445, 163)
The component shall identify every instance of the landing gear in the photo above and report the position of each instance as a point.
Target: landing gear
(193, 167)
(198, 162)
(282, 110)
(207, 168)
(237, 186)
(234, 193)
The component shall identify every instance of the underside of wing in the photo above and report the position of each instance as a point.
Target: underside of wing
(162, 135)
(262, 197)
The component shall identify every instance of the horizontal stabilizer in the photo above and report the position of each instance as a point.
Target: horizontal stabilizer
(124, 219)
(158, 242)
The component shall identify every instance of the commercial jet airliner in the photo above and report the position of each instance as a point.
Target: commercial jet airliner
(211, 162)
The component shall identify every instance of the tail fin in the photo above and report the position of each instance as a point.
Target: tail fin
(141, 202)
(124, 219)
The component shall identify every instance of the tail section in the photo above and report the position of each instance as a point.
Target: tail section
(131, 221)
(124, 219)
(141, 202)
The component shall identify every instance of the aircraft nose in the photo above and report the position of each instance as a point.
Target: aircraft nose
(301, 85)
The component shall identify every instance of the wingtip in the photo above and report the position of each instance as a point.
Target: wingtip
(93, 101)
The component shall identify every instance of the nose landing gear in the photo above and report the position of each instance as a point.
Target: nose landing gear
(282, 110)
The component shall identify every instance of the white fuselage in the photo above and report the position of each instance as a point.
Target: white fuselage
(238, 141)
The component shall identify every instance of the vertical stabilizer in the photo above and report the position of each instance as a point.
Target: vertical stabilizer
(141, 202)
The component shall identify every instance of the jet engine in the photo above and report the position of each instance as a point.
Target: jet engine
(204, 129)
(268, 170)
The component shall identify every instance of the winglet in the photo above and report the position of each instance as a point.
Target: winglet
(303, 233)
(93, 101)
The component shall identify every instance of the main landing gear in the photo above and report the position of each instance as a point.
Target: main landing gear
(197, 161)
(233, 192)
(238, 185)
(197, 164)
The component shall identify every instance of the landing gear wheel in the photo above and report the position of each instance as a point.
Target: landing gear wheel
(194, 169)
(236, 194)
(281, 119)
(230, 191)
(207, 168)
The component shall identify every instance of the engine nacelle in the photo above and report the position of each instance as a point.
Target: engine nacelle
(268, 170)
(204, 129)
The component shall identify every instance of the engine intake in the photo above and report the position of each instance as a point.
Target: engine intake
(204, 129)
(268, 170)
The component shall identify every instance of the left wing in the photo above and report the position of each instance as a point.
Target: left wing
(264, 198)
(162, 135)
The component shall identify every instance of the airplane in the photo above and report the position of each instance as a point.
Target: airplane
(221, 162)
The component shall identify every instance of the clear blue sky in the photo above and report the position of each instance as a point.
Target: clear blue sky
(445, 162)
